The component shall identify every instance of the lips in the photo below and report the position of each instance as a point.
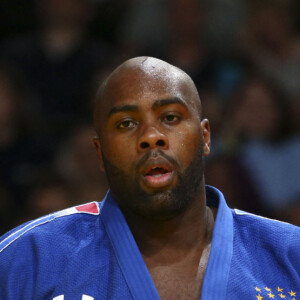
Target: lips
(157, 173)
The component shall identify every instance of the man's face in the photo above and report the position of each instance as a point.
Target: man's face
(152, 141)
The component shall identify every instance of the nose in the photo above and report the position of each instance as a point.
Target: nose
(152, 138)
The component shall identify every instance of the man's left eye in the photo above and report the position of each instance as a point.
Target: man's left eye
(126, 124)
(171, 118)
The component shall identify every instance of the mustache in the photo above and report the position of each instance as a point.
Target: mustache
(154, 154)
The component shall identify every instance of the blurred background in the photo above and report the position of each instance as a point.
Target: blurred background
(244, 56)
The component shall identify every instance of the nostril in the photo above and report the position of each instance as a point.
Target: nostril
(144, 145)
(160, 143)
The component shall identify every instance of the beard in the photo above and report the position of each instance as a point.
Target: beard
(130, 196)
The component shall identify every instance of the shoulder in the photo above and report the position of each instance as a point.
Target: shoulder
(45, 254)
(247, 218)
(266, 253)
(266, 233)
(255, 222)
(53, 225)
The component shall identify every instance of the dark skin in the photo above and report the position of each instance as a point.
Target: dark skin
(152, 143)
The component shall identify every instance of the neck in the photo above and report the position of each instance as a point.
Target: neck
(174, 238)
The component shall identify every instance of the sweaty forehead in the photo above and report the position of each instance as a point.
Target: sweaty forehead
(137, 78)
(145, 77)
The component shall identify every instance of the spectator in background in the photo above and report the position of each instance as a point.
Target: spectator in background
(48, 193)
(190, 48)
(155, 26)
(223, 168)
(60, 58)
(224, 21)
(271, 41)
(8, 211)
(76, 162)
(295, 108)
(59, 61)
(19, 152)
(265, 143)
(226, 172)
(291, 214)
(144, 27)
(186, 46)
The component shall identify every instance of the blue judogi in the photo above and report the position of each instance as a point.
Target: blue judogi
(88, 252)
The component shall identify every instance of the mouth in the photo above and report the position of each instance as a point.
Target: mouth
(157, 171)
(158, 176)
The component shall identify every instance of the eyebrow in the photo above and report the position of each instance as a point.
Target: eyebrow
(123, 108)
(155, 105)
(168, 101)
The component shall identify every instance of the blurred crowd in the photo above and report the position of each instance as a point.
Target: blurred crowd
(243, 55)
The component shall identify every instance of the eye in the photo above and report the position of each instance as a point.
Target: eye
(171, 118)
(126, 124)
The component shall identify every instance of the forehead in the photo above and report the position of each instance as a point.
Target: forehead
(149, 80)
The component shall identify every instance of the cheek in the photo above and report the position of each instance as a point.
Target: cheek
(120, 152)
(186, 143)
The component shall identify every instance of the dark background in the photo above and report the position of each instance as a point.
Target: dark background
(243, 55)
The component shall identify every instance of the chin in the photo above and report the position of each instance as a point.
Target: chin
(161, 205)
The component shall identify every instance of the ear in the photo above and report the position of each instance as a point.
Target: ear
(206, 136)
(97, 144)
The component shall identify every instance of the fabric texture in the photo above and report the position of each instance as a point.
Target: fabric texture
(88, 252)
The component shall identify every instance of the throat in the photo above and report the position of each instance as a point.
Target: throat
(187, 275)
(176, 253)
(173, 245)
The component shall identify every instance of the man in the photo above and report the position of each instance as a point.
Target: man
(159, 232)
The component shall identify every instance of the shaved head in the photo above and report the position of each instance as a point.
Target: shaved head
(140, 71)
(147, 114)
